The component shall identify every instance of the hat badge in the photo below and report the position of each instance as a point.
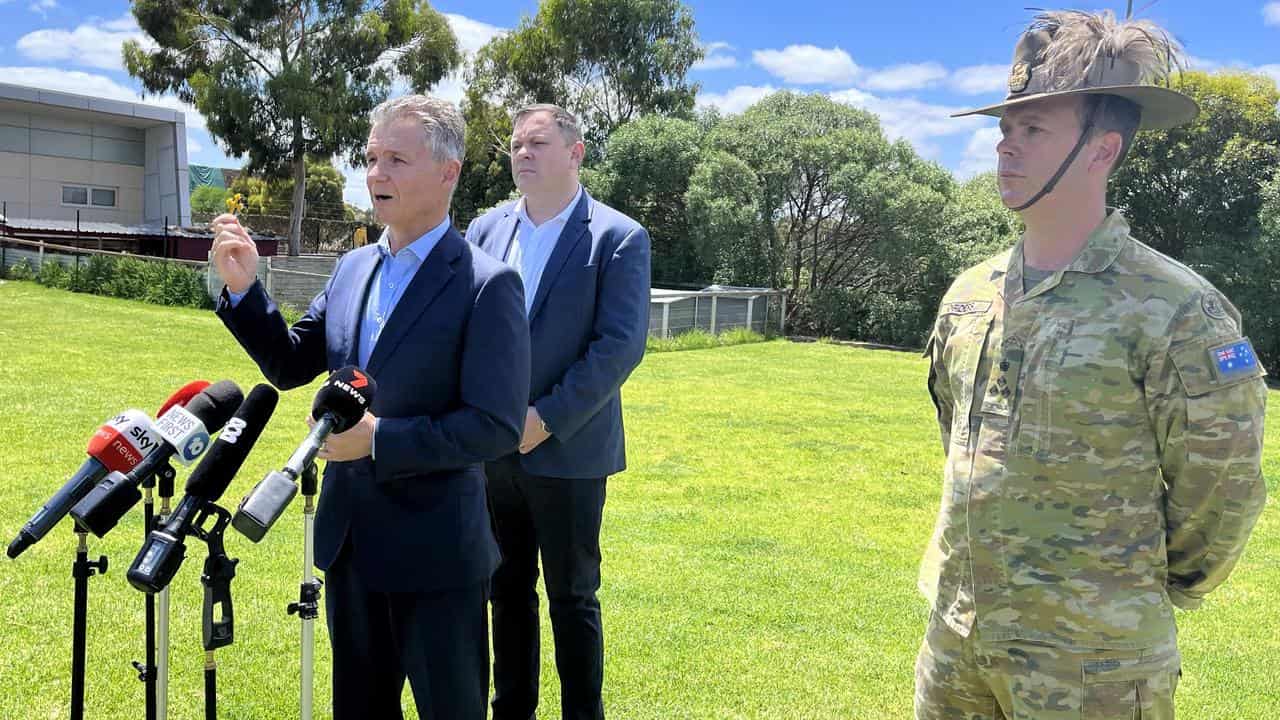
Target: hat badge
(1019, 76)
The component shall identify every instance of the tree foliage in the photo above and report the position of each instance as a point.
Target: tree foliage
(607, 61)
(277, 81)
(645, 174)
(1187, 188)
(209, 200)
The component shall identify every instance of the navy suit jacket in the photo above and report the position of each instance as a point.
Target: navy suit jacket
(588, 325)
(452, 367)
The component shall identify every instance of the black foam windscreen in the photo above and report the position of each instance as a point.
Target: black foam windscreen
(223, 460)
(346, 395)
(215, 404)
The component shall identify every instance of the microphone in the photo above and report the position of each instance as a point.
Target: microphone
(339, 404)
(162, 554)
(118, 445)
(184, 431)
(183, 395)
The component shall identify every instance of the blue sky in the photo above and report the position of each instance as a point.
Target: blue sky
(910, 63)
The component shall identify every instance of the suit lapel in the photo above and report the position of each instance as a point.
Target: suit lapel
(504, 233)
(573, 232)
(434, 273)
(363, 267)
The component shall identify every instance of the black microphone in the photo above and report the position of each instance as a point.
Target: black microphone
(118, 445)
(162, 554)
(184, 430)
(339, 404)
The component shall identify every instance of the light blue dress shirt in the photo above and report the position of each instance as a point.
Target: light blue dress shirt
(533, 244)
(394, 273)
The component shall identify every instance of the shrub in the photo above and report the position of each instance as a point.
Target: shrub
(21, 271)
(54, 274)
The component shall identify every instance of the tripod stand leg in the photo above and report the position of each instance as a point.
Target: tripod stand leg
(210, 686)
(81, 570)
(149, 671)
(162, 655)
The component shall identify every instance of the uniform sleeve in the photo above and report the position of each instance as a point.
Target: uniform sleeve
(1206, 407)
(939, 383)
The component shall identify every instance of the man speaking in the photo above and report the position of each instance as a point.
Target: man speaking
(402, 529)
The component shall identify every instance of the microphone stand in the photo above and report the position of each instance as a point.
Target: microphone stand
(147, 671)
(81, 570)
(218, 573)
(307, 607)
(165, 490)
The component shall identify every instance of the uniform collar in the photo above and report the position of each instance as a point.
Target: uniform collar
(1101, 250)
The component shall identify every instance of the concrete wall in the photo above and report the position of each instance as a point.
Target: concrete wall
(167, 175)
(50, 139)
(39, 154)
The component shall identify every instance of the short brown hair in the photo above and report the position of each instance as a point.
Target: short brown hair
(1112, 113)
(565, 120)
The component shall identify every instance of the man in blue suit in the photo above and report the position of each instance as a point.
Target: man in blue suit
(585, 268)
(402, 529)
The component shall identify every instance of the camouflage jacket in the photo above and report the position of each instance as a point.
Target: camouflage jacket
(1103, 435)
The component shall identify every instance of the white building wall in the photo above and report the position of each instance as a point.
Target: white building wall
(49, 140)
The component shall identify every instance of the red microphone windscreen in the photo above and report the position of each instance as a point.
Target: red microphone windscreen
(182, 395)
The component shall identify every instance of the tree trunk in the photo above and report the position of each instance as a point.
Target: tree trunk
(299, 204)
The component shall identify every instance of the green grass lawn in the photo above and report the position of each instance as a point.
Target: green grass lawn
(760, 554)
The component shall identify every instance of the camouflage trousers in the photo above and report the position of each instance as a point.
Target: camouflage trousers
(961, 678)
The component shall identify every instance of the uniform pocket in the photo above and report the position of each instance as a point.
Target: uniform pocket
(1130, 688)
(1042, 386)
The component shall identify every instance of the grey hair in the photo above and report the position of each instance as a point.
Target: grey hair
(565, 120)
(444, 129)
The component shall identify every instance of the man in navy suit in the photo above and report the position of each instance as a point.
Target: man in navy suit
(585, 268)
(402, 529)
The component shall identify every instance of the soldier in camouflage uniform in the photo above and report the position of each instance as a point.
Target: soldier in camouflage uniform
(1100, 411)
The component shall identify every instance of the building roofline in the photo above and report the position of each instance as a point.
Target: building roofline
(86, 103)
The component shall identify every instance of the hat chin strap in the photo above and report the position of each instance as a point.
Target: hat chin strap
(1062, 169)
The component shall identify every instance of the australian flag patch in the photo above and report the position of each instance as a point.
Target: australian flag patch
(1234, 358)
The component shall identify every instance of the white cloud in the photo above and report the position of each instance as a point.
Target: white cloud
(1207, 65)
(913, 76)
(735, 100)
(1271, 13)
(808, 64)
(910, 118)
(93, 85)
(1273, 70)
(980, 79)
(472, 34)
(193, 147)
(92, 45)
(42, 7)
(715, 59)
(980, 153)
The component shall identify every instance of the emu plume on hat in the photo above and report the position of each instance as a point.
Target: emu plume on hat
(1070, 52)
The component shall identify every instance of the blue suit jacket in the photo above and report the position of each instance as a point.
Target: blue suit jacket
(588, 325)
(452, 367)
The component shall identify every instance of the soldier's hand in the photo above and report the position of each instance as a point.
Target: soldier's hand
(235, 256)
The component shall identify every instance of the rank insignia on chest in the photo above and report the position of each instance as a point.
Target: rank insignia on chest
(1234, 358)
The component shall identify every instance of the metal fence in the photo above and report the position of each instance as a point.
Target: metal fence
(715, 309)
